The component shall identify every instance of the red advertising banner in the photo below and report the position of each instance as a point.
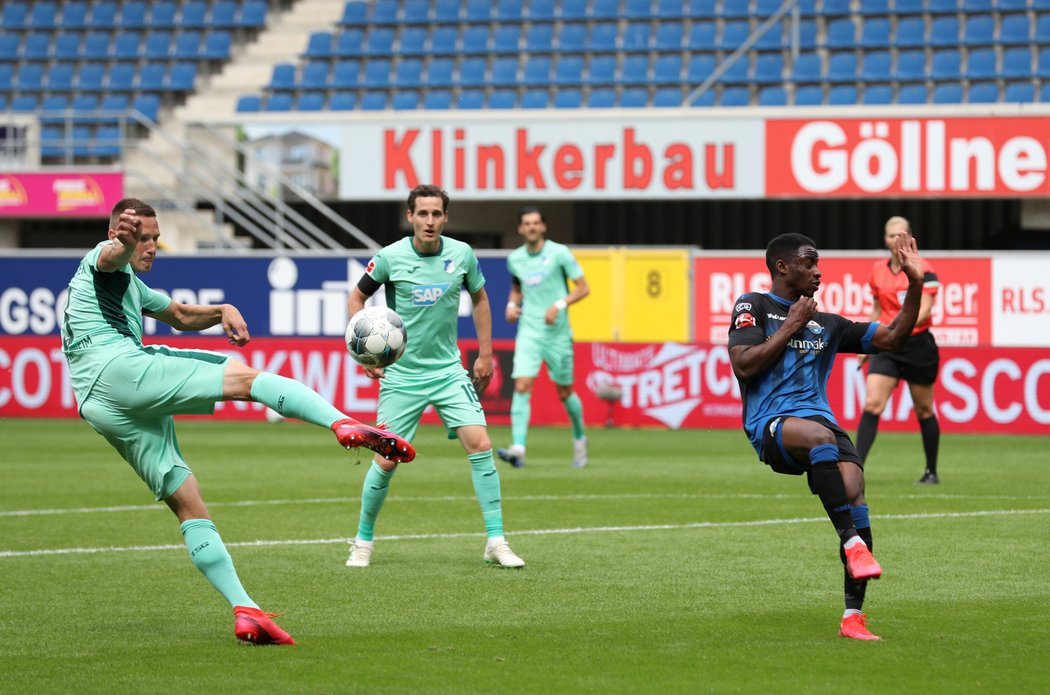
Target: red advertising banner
(65, 195)
(1002, 390)
(923, 157)
(962, 310)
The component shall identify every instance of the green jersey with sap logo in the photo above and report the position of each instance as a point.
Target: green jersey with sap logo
(424, 290)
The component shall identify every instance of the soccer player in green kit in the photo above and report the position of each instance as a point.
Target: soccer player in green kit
(539, 295)
(423, 274)
(128, 391)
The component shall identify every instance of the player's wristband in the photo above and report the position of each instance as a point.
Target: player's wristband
(560, 304)
(511, 305)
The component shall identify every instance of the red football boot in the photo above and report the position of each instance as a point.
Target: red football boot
(853, 627)
(861, 564)
(353, 434)
(254, 625)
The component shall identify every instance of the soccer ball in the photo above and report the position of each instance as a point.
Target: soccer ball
(376, 337)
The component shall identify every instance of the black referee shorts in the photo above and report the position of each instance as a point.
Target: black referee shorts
(917, 362)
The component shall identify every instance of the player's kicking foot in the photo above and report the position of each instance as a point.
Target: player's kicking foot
(513, 454)
(860, 563)
(360, 553)
(255, 626)
(853, 626)
(498, 553)
(929, 478)
(579, 452)
(353, 434)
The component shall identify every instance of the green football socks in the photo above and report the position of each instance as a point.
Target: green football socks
(210, 557)
(486, 487)
(574, 407)
(373, 494)
(520, 412)
(292, 399)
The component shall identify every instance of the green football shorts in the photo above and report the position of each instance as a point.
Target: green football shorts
(556, 351)
(402, 402)
(134, 398)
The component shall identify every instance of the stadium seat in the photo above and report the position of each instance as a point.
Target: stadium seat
(507, 38)
(157, 45)
(603, 38)
(112, 107)
(1042, 69)
(636, 37)
(569, 70)
(472, 72)
(405, 101)
(182, 76)
(90, 77)
(439, 72)
(568, 99)
(346, 75)
(806, 68)
(772, 40)
(412, 41)
(505, 72)
(944, 31)
(148, 105)
(409, 73)
(705, 100)
(281, 101)
(187, 45)
(66, 46)
(503, 99)
(980, 31)
(635, 98)
(700, 68)
(942, 6)
(384, 12)
(224, 15)
(133, 14)
(842, 95)
(601, 70)
(509, 11)
(121, 78)
(443, 41)
(635, 70)
(1017, 63)
(438, 100)
(769, 68)
(373, 101)
(194, 15)
(876, 66)
(37, 46)
(702, 36)
(30, 78)
(342, 101)
(573, 38)
(700, 9)
(983, 93)
(377, 74)
(355, 13)
(1044, 93)
(947, 65)
(947, 93)
(310, 101)
(733, 35)
(217, 45)
(542, 10)
(85, 107)
(103, 15)
(60, 77)
(911, 66)
(668, 70)
(475, 41)
(539, 38)
(25, 103)
(42, 15)
(15, 15)
(735, 9)
(833, 8)
(471, 99)
(878, 95)
(7, 77)
(668, 37)
(9, 43)
(738, 72)
(283, 77)
(416, 12)
(735, 96)
(668, 98)
(163, 13)
(478, 10)
(380, 42)
(874, 7)
(1019, 93)
(126, 45)
(980, 65)
(53, 108)
(842, 67)
(107, 142)
(576, 10)
(601, 99)
(605, 9)
(1014, 29)
(1015, 5)
(911, 33)
(875, 33)
(841, 34)
(319, 45)
(74, 15)
(809, 95)
(772, 96)
(670, 9)
(253, 15)
(535, 99)
(1042, 29)
(978, 5)
(249, 103)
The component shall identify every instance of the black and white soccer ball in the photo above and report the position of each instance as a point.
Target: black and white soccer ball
(376, 337)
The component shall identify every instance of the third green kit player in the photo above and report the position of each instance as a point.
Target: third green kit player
(423, 274)
(540, 271)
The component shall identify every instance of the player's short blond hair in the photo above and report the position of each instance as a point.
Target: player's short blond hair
(897, 220)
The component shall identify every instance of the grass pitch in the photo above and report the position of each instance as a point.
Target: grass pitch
(674, 563)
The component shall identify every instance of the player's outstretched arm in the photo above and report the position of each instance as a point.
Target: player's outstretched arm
(198, 317)
(483, 325)
(749, 360)
(893, 336)
(126, 235)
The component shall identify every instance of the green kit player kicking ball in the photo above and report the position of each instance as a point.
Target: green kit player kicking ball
(423, 275)
(539, 294)
(129, 392)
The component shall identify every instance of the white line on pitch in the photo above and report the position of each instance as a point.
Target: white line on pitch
(530, 532)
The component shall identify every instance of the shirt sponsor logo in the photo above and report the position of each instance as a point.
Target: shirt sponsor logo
(534, 279)
(428, 295)
(807, 345)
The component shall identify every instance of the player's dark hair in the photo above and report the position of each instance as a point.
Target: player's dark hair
(141, 208)
(782, 247)
(427, 190)
(528, 210)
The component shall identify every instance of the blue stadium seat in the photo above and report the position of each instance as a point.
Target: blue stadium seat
(85, 104)
(809, 95)
(7, 77)
(1042, 29)
(670, 9)
(475, 41)
(978, 5)
(412, 41)
(980, 30)
(281, 101)
(253, 14)
(983, 93)
(942, 6)
(738, 72)
(736, 9)
(569, 70)
(507, 38)
(148, 105)
(601, 99)
(911, 66)
(153, 77)
(542, 10)
(537, 70)
(842, 95)
(315, 75)
(478, 10)
(9, 43)
(503, 99)
(573, 38)
(438, 100)
(944, 31)
(980, 65)
(635, 70)
(111, 108)
(504, 72)
(1015, 29)
(911, 32)
(535, 99)
(842, 33)
(224, 15)
(439, 72)
(380, 42)
(25, 103)
(103, 15)
(842, 67)
(638, 9)
(53, 108)
(385, 12)
(126, 46)
(373, 101)
(342, 101)
(875, 33)
(405, 101)
(876, 66)
(187, 45)
(947, 93)
(97, 43)
(346, 74)
(574, 9)
(15, 15)
(735, 96)
(443, 41)
(52, 143)
(107, 142)
(355, 13)
(510, 11)
(603, 37)
(669, 36)
(283, 77)
(874, 7)
(668, 70)
(446, 12)
(635, 98)
(1016, 5)
(157, 45)
(90, 77)
(772, 96)
(319, 45)
(773, 39)
(43, 15)
(37, 46)
(471, 99)
(30, 78)
(74, 15)
(66, 45)
(1019, 93)
(668, 98)
(733, 34)
(769, 68)
(310, 101)
(636, 37)
(604, 9)
(1044, 93)
(700, 9)
(539, 38)
(702, 36)
(60, 77)
(1042, 68)
(705, 100)
(947, 65)
(472, 72)
(377, 73)
(349, 43)
(835, 8)
(121, 78)
(217, 45)
(806, 68)
(700, 68)
(1017, 63)
(409, 73)
(878, 95)
(182, 76)
(601, 70)
(194, 15)
(163, 14)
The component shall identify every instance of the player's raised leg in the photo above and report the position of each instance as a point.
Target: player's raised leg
(854, 621)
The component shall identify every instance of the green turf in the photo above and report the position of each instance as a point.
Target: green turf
(725, 607)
